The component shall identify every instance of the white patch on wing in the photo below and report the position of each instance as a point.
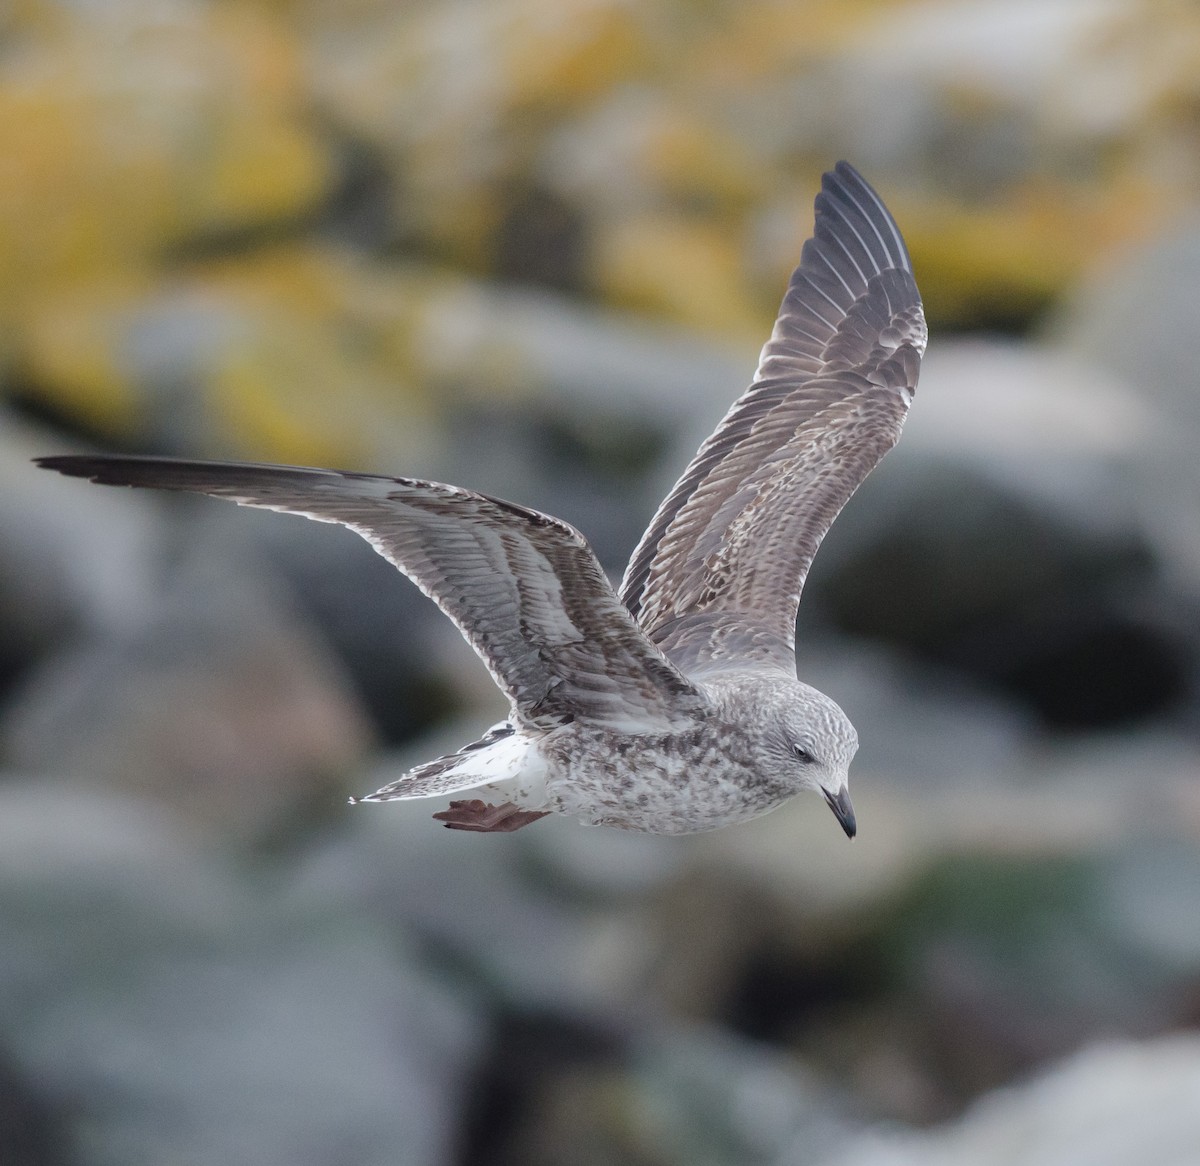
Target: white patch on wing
(257, 504)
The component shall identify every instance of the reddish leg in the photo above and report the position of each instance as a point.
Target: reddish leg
(486, 818)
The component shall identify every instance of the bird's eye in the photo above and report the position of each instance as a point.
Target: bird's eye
(803, 754)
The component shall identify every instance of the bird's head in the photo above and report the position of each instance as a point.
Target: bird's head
(817, 742)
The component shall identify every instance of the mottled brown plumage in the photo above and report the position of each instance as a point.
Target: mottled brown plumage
(718, 574)
(674, 707)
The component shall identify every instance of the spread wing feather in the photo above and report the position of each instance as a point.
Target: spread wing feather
(524, 589)
(717, 576)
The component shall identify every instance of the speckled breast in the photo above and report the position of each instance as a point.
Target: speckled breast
(678, 784)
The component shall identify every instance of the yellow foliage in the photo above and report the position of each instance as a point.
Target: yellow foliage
(118, 140)
(129, 129)
(692, 161)
(74, 203)
(770, 37)
(560, 56)
(1009, 260)
(685, 270)
(319, 372)
(72, 350)
(297, 354)
(285, 391)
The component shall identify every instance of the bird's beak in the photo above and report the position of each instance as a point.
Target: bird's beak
(843, 811)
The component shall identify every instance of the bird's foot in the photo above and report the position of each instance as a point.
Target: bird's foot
(486, 818)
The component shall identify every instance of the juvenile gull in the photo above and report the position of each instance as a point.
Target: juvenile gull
(673, 706)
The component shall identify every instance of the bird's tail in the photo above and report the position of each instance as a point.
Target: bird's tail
(499, 756)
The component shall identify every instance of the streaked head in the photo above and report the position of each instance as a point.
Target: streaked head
(820, 742)
(799, 738)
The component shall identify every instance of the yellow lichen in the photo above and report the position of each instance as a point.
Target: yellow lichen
(117, 142)
(685, 270)
(71, 352)
(563, 55)
(1004, 262)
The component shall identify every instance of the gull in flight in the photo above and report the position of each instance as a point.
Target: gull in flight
(671, 706)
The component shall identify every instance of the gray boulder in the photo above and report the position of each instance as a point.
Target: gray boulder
(196, 1013)
(1110, 1105)
(222, 701)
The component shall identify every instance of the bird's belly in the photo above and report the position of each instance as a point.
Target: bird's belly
(659, 785)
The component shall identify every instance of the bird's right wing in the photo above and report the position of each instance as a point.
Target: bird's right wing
(524, 589)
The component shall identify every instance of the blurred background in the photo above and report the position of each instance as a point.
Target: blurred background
(533, 247)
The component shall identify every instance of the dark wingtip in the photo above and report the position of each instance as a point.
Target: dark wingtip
(76, 465)
(845, 171)
(63, 463)
(860, 203)
(106, 471)
(843, 175)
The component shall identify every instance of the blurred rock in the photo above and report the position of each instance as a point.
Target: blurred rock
(667, 266)
(1001, 117)
(71, 562)
(553, 1088)
(296, 355)
(660, 155)
(700, 1097)
(1112, 1105)
(672, 1094)
(32, 1126)
(454, 106)
(605, 151)
(495, 912)
(1003, 540)
(1145, 891)
(194, 1012)
(1136, 318)
(221, 701)
(1010, 962)
(312, 356)
(587, 1057)
(972, 931)
(196, 303)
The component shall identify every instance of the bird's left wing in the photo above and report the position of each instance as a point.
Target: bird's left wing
(717, 576)
(525, 589)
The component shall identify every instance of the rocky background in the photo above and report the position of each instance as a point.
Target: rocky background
(532, 246)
